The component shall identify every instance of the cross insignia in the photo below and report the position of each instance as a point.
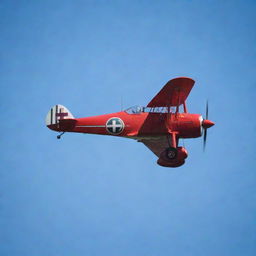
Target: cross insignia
(61, 115)
(115, 125)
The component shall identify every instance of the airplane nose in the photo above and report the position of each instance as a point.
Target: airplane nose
(207, 123)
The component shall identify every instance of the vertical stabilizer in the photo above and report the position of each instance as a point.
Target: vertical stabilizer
(55, 116)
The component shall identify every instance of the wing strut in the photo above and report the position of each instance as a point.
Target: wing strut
(185, 107)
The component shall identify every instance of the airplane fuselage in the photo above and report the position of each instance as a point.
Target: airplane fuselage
(136, 125)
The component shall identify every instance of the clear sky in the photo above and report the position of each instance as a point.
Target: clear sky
(96, 195)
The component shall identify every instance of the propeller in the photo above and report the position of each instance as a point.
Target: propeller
(207, 109)
(205, 137)
(206, 123)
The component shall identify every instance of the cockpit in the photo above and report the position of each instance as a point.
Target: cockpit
(138, 109)
(134, 110)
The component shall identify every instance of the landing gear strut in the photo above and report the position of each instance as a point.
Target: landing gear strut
(59, 136)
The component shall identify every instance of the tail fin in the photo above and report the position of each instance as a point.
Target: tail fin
(59, 117)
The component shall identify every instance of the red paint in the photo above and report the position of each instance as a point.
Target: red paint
(61, 115)
(174, 93)
(156, 130)
(207, 124)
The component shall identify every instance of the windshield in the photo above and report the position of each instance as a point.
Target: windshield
(134, 110)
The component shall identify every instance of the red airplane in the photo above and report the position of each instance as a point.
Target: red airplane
(159, 125)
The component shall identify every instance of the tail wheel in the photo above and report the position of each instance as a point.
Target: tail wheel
(171, 153)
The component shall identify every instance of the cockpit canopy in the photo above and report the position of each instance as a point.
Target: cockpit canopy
(134, 110)
(139, 109)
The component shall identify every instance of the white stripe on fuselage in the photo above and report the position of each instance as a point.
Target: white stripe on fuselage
(90, 126)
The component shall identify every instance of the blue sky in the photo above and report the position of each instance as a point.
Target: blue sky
(96, 195)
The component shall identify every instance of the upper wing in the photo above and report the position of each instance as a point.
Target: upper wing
(157, 145)
(174, 93)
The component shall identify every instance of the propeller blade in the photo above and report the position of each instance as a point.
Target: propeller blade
(205, 137)
(206, 123)
(207, 109)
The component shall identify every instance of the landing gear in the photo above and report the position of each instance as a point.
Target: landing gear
(59, 136)
(171, 153)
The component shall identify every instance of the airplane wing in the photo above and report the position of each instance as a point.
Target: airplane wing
(174, 93)
(157, 145)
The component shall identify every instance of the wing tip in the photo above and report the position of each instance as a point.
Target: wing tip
(184, 78)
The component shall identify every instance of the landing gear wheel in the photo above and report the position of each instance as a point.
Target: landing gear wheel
(171, 153)
(59, 136)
